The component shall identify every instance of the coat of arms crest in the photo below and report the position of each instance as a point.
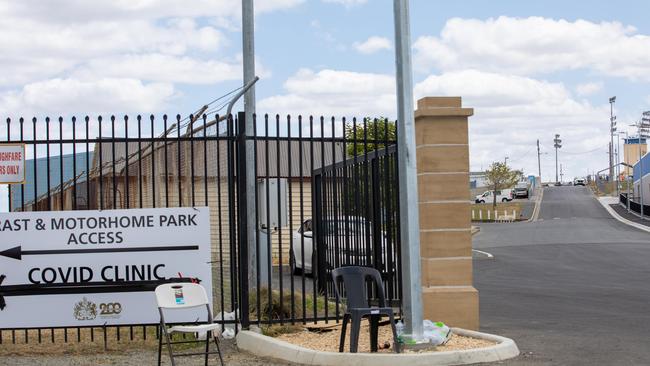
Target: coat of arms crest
(85, 310)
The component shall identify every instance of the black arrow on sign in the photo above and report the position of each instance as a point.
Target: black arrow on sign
(83, 287)
(18, 252)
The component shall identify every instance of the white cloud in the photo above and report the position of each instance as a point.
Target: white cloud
(334, 93)
(511, 112)
(536, 45)
(75, 56)
(161, 67)
(74, 10)
(347, 3)
(64, 96)
(587, 89)
(372, 45)
(46, 50)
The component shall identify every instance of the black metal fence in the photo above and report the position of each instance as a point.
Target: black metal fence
(634, 206)
(305, 169)
(357, 218)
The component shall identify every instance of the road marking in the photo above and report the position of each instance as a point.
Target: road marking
(537, 208)
(556, 218)
(490, 256)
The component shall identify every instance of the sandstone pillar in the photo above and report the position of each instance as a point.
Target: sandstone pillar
(441, 126)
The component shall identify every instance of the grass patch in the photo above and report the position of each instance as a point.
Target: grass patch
(86, 341)
(274, 309)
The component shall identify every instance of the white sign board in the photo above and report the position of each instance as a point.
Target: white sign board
(12, 163)
(77, 247)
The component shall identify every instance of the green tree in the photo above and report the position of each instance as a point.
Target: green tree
(375, 131)
(499, 176)
(368, 135)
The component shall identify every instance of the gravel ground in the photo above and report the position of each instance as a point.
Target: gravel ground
(140, 358)
(328, 340)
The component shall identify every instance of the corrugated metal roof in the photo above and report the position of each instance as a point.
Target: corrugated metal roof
(294, 154)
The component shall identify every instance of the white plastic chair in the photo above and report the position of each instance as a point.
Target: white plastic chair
(183, 296)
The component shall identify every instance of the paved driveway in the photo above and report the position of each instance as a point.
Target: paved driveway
(572, 288)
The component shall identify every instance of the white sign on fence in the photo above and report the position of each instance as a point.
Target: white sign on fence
(77, 247)
(12, 163)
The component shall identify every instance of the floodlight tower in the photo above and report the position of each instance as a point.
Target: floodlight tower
(557, 144)
(612, 129)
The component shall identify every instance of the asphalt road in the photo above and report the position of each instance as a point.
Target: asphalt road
(572, 288)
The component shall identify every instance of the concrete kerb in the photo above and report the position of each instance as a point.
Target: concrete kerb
(606, 201)
(264, 346)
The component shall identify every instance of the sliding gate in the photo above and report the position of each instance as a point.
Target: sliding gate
(357, 224)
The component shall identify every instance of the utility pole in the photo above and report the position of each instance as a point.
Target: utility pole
(557, 143)
(612, 129)
(618, 162)
(248, 49)
(505, 161)
(561, 173)
(539, 162)
(408, 192)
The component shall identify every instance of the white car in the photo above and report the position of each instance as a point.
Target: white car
(579, 182)
(503, 195)
(352, 245)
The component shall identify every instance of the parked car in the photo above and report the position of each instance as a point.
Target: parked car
(579, 182)
(521, 190)
(351, 241)
(503, 195)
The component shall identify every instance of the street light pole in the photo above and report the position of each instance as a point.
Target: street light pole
(539, 162)
(408, 184)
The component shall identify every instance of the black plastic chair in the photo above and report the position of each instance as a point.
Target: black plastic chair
(357, 307)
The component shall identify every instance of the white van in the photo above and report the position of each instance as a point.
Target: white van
(503, 195)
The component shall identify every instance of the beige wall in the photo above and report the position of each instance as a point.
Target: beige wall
(631, 155)
(445, 237)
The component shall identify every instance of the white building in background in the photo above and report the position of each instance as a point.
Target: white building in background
(477, 180)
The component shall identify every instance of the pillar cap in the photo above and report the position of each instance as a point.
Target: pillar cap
(442, 106)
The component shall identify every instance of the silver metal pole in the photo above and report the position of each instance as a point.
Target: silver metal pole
(248, 49)
(408, 184)
(640, 173)
(618, 163)
(539, 162)
(556, 175)
(611, 135)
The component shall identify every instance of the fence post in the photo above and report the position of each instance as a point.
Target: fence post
(321, 251)
(243, 221)
(445, 219)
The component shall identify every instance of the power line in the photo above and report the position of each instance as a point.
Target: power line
(585, 152)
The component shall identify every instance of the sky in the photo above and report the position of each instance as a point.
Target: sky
(529, 69)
